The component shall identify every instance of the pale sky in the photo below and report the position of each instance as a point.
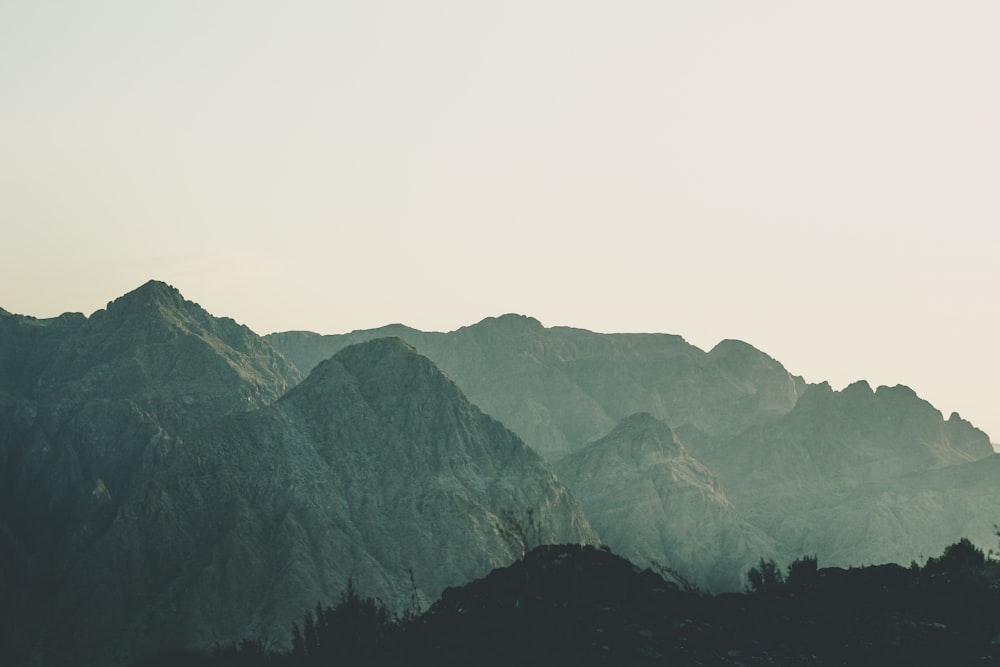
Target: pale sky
(819, 179)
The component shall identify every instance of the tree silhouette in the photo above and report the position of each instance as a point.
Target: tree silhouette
(765, 578)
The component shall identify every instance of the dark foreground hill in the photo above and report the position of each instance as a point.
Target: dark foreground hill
(570, 605)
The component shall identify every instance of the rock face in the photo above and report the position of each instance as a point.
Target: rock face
(653, 503)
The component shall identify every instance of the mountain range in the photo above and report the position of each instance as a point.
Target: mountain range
(810, 469)
(169, 478)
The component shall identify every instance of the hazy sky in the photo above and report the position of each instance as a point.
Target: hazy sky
(819, 179)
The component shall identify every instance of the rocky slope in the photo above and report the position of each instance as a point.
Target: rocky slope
(654, 503)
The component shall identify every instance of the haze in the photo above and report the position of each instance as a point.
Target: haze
(818, 179)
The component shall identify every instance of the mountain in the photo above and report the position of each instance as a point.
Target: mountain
(373, 466)
(653, 502)
(168, 355)
(90, 408)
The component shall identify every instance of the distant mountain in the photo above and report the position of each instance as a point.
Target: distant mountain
(816, 471)
(816, 478)
(653, 502)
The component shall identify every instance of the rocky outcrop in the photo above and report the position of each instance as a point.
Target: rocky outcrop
(653, 503)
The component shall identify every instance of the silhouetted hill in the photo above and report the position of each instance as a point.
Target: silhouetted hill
(567, 605)
(572, 605)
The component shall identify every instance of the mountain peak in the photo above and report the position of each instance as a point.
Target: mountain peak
(380, 346)
(152, 296)
(861, 389)
(381, 369)
(167, 354)
(743, 352)
(860, 385)
(643, 430)
(382, 357)
(640, 437)
(898, 392)
(731, 345)
(154, 290)
(512, 321)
